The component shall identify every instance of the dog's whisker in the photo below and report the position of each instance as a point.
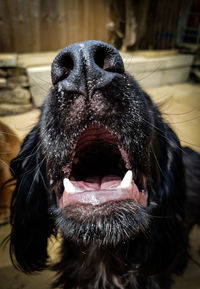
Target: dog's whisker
(6, 133)
(160, 133)
(41, 86)
(184, 121)
(163, 136)
(181, 113)
(152, 150)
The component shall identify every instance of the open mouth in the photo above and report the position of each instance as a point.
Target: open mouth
(100, 172)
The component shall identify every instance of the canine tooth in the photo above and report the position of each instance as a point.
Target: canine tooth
(69, 187)
(126, 182)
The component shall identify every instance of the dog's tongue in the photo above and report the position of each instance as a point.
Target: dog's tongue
(98, 183)
(97, 190)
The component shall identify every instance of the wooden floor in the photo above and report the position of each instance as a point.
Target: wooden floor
(181, 108)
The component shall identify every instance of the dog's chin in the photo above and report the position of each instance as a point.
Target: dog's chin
(104, 225)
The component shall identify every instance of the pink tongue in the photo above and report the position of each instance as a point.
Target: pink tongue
(96, 183)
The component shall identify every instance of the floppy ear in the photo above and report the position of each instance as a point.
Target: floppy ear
(167, 228)
(172, 188)
(30, 219)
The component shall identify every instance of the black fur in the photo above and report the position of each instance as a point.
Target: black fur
(118, 244)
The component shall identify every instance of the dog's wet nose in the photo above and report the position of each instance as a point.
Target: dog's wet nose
(86, 66)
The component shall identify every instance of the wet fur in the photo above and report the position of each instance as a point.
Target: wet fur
(147, 245)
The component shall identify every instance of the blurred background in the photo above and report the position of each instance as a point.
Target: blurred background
(159, 41)
(47, 25)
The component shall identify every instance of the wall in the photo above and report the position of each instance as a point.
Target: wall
(46, 25)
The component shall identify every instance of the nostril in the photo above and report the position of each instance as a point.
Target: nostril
(101, 58)
(62, 66)
(107, 60)
(67, 65)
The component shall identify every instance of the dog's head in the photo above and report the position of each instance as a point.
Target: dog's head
(101, 165)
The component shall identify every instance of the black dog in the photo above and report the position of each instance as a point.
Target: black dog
(104, 169)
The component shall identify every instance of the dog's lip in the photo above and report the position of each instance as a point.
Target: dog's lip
(96, 191)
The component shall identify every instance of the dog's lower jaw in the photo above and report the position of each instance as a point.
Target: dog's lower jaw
(135, 263)
(108, 224)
